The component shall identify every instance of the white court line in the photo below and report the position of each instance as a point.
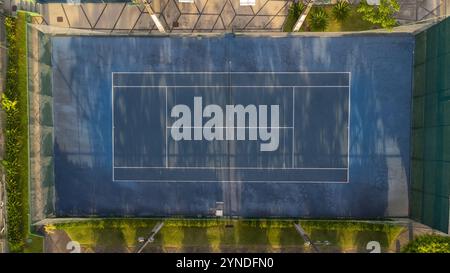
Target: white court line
(293, 125)
(226, 181)
(348, 124)
(233, 86)
(226, 168)
(167, 149)
(112, 123)
(229, 72)
(217, 86)
(234, 127)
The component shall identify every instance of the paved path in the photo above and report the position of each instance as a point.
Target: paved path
(418, 10)
(56, 242)
(200, 16)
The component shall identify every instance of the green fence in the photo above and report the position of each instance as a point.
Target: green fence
(430, 177)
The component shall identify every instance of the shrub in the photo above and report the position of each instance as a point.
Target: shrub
(295, 11)
(382, 15)
(318, 19)
(428, 244)
(341, 10)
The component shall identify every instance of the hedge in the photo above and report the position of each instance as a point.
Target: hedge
(15, 162)
(428, 244)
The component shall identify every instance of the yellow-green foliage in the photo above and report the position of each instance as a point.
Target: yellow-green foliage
(428, 244)
(214, 234)
(382, 14)
(14, 103)
(341, 10)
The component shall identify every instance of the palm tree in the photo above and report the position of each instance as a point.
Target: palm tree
(318, 19)
(297, 9)
(341, 10)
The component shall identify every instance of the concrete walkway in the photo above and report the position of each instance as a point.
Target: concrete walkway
(200, 16)
(56, 242)
(418, 10)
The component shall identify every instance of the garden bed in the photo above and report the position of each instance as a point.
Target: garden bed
(14, 103)
(15, 163)
(217, 235)
(353, 22)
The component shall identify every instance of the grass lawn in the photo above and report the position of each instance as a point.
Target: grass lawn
(354, 22)
(23, 109)
(294, 13)
(219, 235)
(291, 19)
(34, 244)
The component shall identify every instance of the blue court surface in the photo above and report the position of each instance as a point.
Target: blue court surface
(287, 126)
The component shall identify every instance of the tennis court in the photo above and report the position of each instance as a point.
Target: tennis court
(271, 126)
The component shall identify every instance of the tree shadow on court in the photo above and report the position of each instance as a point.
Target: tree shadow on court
(380, 130)
(379, 134)
(82, 146)
(70, 191)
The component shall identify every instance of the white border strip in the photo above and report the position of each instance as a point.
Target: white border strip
(225, 72)
(234, 86)
(226, 168)
(221, 181)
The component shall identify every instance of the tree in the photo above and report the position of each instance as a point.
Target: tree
(318, 19)
(381, 15)
(341, 10)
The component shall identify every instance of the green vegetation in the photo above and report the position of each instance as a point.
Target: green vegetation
(381, 15)
(349, 234)
(220, 234)
(34, 244)
(318, 19)
(14, 103)
(428, 244)
(294, 13)
(353, 21)
(341, 10)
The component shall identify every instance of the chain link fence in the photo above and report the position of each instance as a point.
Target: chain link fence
(40, 103)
